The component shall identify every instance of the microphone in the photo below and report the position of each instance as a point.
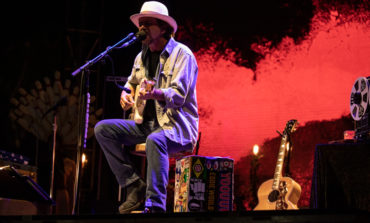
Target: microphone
(139, 36)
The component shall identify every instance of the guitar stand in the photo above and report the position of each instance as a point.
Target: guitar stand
(287, 160)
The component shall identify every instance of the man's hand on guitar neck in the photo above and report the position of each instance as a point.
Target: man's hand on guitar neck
(127, 100)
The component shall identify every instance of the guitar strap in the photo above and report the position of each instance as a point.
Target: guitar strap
(149, 65)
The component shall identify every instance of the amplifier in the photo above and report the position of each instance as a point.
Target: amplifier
(18, 162)
(20, 195)
(25, 170)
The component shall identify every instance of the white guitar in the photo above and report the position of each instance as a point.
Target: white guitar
(139, 105)
(280, 193)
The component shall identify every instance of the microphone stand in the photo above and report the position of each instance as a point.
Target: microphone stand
(102, 55)
(83, 114)
(60, 102)
(55, 127)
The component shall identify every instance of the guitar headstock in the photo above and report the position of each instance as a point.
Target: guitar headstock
(290, 127)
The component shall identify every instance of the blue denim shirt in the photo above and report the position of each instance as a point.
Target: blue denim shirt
(176, 77)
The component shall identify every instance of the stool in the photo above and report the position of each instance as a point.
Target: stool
(139, 150)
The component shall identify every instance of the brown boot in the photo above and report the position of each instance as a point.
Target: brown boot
(135, 196)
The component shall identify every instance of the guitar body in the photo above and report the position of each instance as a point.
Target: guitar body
(267, 200)
(139, 105)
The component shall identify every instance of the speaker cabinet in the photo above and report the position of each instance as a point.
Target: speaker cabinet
(21, 195)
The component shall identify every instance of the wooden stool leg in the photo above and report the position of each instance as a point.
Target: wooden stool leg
(143, 167)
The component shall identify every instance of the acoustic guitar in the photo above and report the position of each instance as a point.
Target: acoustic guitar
(139, 105)
(280, 193)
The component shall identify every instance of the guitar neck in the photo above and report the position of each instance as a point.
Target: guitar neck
(279, 163)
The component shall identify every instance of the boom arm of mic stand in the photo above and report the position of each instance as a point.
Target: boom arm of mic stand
(101, 55)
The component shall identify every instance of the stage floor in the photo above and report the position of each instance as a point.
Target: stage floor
(297, 216)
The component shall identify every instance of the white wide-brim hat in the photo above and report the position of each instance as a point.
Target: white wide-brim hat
(156, 10)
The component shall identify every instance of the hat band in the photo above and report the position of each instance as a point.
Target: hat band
(152, 12)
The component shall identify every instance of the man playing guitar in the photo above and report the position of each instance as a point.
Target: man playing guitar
(170, 116)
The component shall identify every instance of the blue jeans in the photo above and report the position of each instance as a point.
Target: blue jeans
(113, 133)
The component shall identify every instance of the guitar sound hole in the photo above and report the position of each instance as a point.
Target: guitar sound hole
(273, 196)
